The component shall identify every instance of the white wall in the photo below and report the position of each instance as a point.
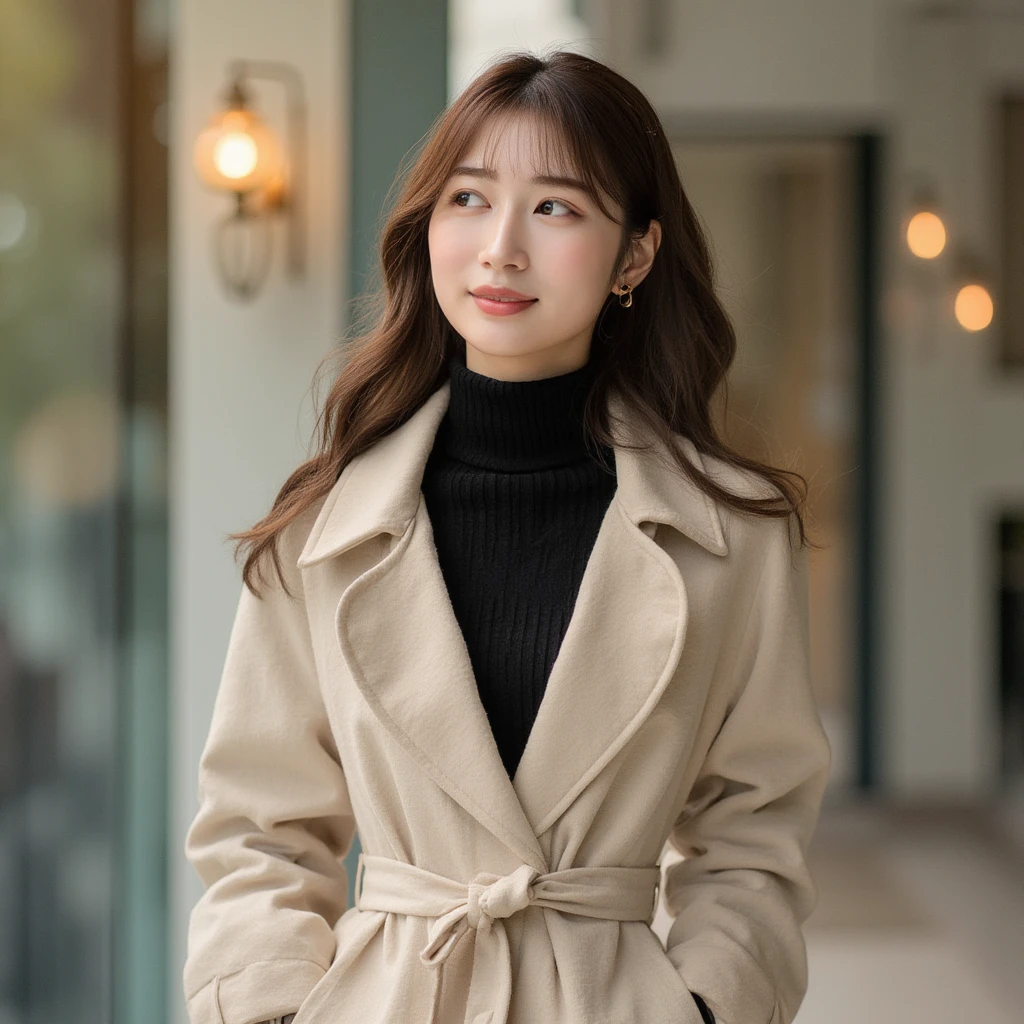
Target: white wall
(747, 56)
(481, 30)
(239, 374)
(952, 431)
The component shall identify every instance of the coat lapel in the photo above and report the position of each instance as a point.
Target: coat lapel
(404, 647)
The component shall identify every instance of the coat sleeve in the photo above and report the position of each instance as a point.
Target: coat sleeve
(273, 825)
(742, 891)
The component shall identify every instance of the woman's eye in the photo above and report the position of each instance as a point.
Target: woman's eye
(457, 195)
(558, 202)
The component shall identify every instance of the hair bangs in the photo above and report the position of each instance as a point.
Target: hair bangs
(564, 145)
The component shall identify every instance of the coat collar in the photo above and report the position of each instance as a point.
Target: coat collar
(398, 634)
(379, 490)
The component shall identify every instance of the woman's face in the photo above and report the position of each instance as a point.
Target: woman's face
(508, 227)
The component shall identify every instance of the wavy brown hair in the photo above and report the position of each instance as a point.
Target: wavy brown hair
(666, 355)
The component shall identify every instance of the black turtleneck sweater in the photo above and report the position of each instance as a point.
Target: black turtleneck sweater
(515, 500)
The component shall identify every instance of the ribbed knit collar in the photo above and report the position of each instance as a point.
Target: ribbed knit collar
(514, 425)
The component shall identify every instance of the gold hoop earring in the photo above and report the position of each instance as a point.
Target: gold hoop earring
(626, 294)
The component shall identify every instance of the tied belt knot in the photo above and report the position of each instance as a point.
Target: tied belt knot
(487, 897)
(481, 906)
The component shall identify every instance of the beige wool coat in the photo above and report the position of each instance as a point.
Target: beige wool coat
(679, 708)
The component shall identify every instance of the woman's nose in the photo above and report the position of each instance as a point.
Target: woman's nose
(503, 247)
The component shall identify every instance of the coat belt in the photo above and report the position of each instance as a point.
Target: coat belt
(482, 905)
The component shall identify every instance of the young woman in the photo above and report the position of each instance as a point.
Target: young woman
(529, 619)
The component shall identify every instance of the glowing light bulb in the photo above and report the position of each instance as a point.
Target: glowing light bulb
(926, 235)
(237, 152)
(235, 155)
(973, 307)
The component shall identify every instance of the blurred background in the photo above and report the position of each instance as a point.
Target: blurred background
(859, 165)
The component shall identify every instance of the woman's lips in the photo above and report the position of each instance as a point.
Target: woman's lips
(502, 307)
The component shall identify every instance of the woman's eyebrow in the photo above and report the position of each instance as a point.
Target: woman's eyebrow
(554, 180)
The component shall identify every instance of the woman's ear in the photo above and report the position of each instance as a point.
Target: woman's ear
(641, 256)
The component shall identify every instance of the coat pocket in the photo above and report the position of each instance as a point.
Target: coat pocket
(688, 1012)
(355, 930)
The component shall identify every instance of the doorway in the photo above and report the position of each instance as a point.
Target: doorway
(787, 219)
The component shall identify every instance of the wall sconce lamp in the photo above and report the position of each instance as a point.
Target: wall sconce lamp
(238, 153)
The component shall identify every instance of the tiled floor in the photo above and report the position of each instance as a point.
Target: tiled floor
(920, 917)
